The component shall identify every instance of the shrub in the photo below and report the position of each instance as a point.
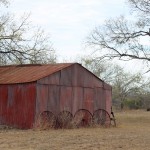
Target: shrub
(133, 104)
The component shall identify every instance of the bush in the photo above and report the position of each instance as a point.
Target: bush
(133, 104)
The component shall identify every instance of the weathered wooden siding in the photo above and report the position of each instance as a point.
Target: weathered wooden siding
(108, 97)
(48, 98)
(53, 79)
(108, 101)
(17, 105)
(74, 75)
(49, 88)
(77, 101)
(71, 89)
(99, 99)
(88, 98)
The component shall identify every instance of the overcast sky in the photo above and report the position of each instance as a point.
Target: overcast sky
(69, 21)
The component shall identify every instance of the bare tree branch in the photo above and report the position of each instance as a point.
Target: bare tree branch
(20, 42)
(119, 38)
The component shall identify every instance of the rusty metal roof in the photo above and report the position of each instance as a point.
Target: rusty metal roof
(28, 73)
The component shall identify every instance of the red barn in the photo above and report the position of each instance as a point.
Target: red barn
(26, 91)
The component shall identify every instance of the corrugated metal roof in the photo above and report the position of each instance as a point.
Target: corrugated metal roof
(28, 73)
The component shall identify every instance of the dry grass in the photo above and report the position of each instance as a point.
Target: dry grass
(131, 133)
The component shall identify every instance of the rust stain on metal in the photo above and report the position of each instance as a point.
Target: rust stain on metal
(27, 91)
(28, 73)
(17, 103)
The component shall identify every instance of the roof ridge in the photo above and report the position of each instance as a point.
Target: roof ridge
(22, 65)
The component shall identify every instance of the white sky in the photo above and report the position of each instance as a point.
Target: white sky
(68, 21)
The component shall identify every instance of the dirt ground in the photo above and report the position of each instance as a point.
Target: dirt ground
(132, 133)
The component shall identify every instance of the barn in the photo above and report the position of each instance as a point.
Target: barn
(58, 92)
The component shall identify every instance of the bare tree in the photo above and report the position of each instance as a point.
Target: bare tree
(102, 69)
(125, 86)
(20, 42)
(141, 6)
(121, 37)
(5, 2)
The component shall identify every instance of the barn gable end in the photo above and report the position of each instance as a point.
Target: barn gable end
(74, 75)
(71, 89)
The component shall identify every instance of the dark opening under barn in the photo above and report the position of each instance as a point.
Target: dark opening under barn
(61, 93)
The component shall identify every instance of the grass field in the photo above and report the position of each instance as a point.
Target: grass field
(132, 133)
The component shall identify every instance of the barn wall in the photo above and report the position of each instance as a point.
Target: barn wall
(58, 98)
(77, 101)
(48, 98)
(74, 75)
(108, 97)
(108, 101)
(53, 79)
(99, 99)
(71, 89)
(17, 105)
